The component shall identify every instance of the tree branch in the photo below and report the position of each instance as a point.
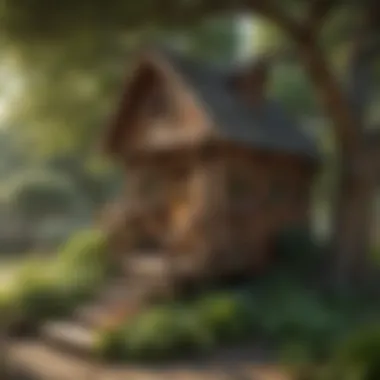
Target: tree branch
(334, 100)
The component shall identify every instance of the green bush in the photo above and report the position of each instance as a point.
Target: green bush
(297, 250)
(85, 247)
(37, 195)
(291, 312)
(278, 310)
(39, 293)
(284, 315)
(8, 304)
(111, 343)
(359, 354)
(158, 334)
(52, 288)
(228, 317)
(85, 258)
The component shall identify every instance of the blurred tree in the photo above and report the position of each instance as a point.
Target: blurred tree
(314, 28)
(35, 197)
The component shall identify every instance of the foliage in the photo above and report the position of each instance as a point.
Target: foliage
(356, 357)
(297, 250)
(48, 288)
(84, 248)
(359, 354)
(39, 294)
(305, 324)
(301, 101)
(7, 304)
(228, 317)
(158, 334)
(84, 262)
(37, 195)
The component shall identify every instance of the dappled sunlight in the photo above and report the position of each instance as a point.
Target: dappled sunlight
(189, 190)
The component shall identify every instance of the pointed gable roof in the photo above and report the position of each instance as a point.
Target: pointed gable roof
(266, 127)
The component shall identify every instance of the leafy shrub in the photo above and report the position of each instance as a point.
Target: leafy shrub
(296, 249)
(278, 310)
(8, 309)
(158, 334)
(359, 354)
(39, 294)
(84, 258)
(290, 312)
(283, 314)
(111, 343)
(40, 194)
(50, 288)
(85, 247)
(228, 317)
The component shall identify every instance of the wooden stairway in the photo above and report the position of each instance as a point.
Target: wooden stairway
(64, 349)
(146, 281)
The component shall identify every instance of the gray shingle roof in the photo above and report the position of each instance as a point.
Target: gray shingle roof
(266, 127)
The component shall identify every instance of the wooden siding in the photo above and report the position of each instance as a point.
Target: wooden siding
(160, 112)
(193, 211)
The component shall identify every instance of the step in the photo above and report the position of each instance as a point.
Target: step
(91, 316)
(161, 266)
(95, 316)
(101, 310)
(69, 336)
(147, 265)
(113, 293)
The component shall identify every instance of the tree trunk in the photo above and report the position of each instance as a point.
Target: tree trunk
(353, 216)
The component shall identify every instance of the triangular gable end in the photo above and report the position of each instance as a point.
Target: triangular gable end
(156, 109)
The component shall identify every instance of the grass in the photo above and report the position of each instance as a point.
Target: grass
(36, 289)
(9, 268)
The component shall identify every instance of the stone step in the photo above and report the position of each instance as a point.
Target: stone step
(91, 316)
(146, 265)
(69, 336)
(113, 294)
(96, 315)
